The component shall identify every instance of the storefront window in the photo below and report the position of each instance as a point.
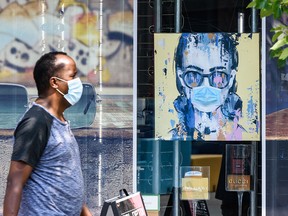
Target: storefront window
(98, 35)
(276, 131)
(165, 92)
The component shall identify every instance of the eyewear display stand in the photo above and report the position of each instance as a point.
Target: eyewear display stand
(194, 184)
(239, 170)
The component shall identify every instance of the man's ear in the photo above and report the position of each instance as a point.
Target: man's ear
(53, 83)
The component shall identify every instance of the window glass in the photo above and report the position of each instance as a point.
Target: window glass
(98, 35)
(196, 17)
(276, 129)
(14, 102)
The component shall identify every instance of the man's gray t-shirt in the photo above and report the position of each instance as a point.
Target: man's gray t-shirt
(55, 187)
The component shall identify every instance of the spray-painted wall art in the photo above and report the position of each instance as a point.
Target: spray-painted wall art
(99, 36)
(207, 86)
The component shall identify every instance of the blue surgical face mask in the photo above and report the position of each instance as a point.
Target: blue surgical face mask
(206, 98)
(75, 89)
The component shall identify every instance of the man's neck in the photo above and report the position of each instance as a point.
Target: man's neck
(52, 106)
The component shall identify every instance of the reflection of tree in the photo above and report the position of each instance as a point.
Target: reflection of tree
(279, 11)
(277, 78)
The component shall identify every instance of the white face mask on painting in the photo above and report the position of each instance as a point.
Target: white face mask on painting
(75, 89)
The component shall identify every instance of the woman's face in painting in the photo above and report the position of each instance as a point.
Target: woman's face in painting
(206, 75)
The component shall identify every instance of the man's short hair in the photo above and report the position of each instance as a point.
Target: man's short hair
(44, 69)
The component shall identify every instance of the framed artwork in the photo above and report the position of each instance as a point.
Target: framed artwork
(207, 86)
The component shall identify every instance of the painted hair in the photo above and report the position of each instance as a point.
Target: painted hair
(228, 43)
(44, 69)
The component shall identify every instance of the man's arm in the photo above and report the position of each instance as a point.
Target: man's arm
(85, 211)
(18, 175)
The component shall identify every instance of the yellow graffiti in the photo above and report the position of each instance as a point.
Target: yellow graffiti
(106, 75)
(68, 3)
(85, 28)
(86, 31)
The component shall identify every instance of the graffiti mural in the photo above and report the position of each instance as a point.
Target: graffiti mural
(207, 86)
(98, 36)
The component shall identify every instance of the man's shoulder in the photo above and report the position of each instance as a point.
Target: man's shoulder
(36, 116)
(38, 111)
